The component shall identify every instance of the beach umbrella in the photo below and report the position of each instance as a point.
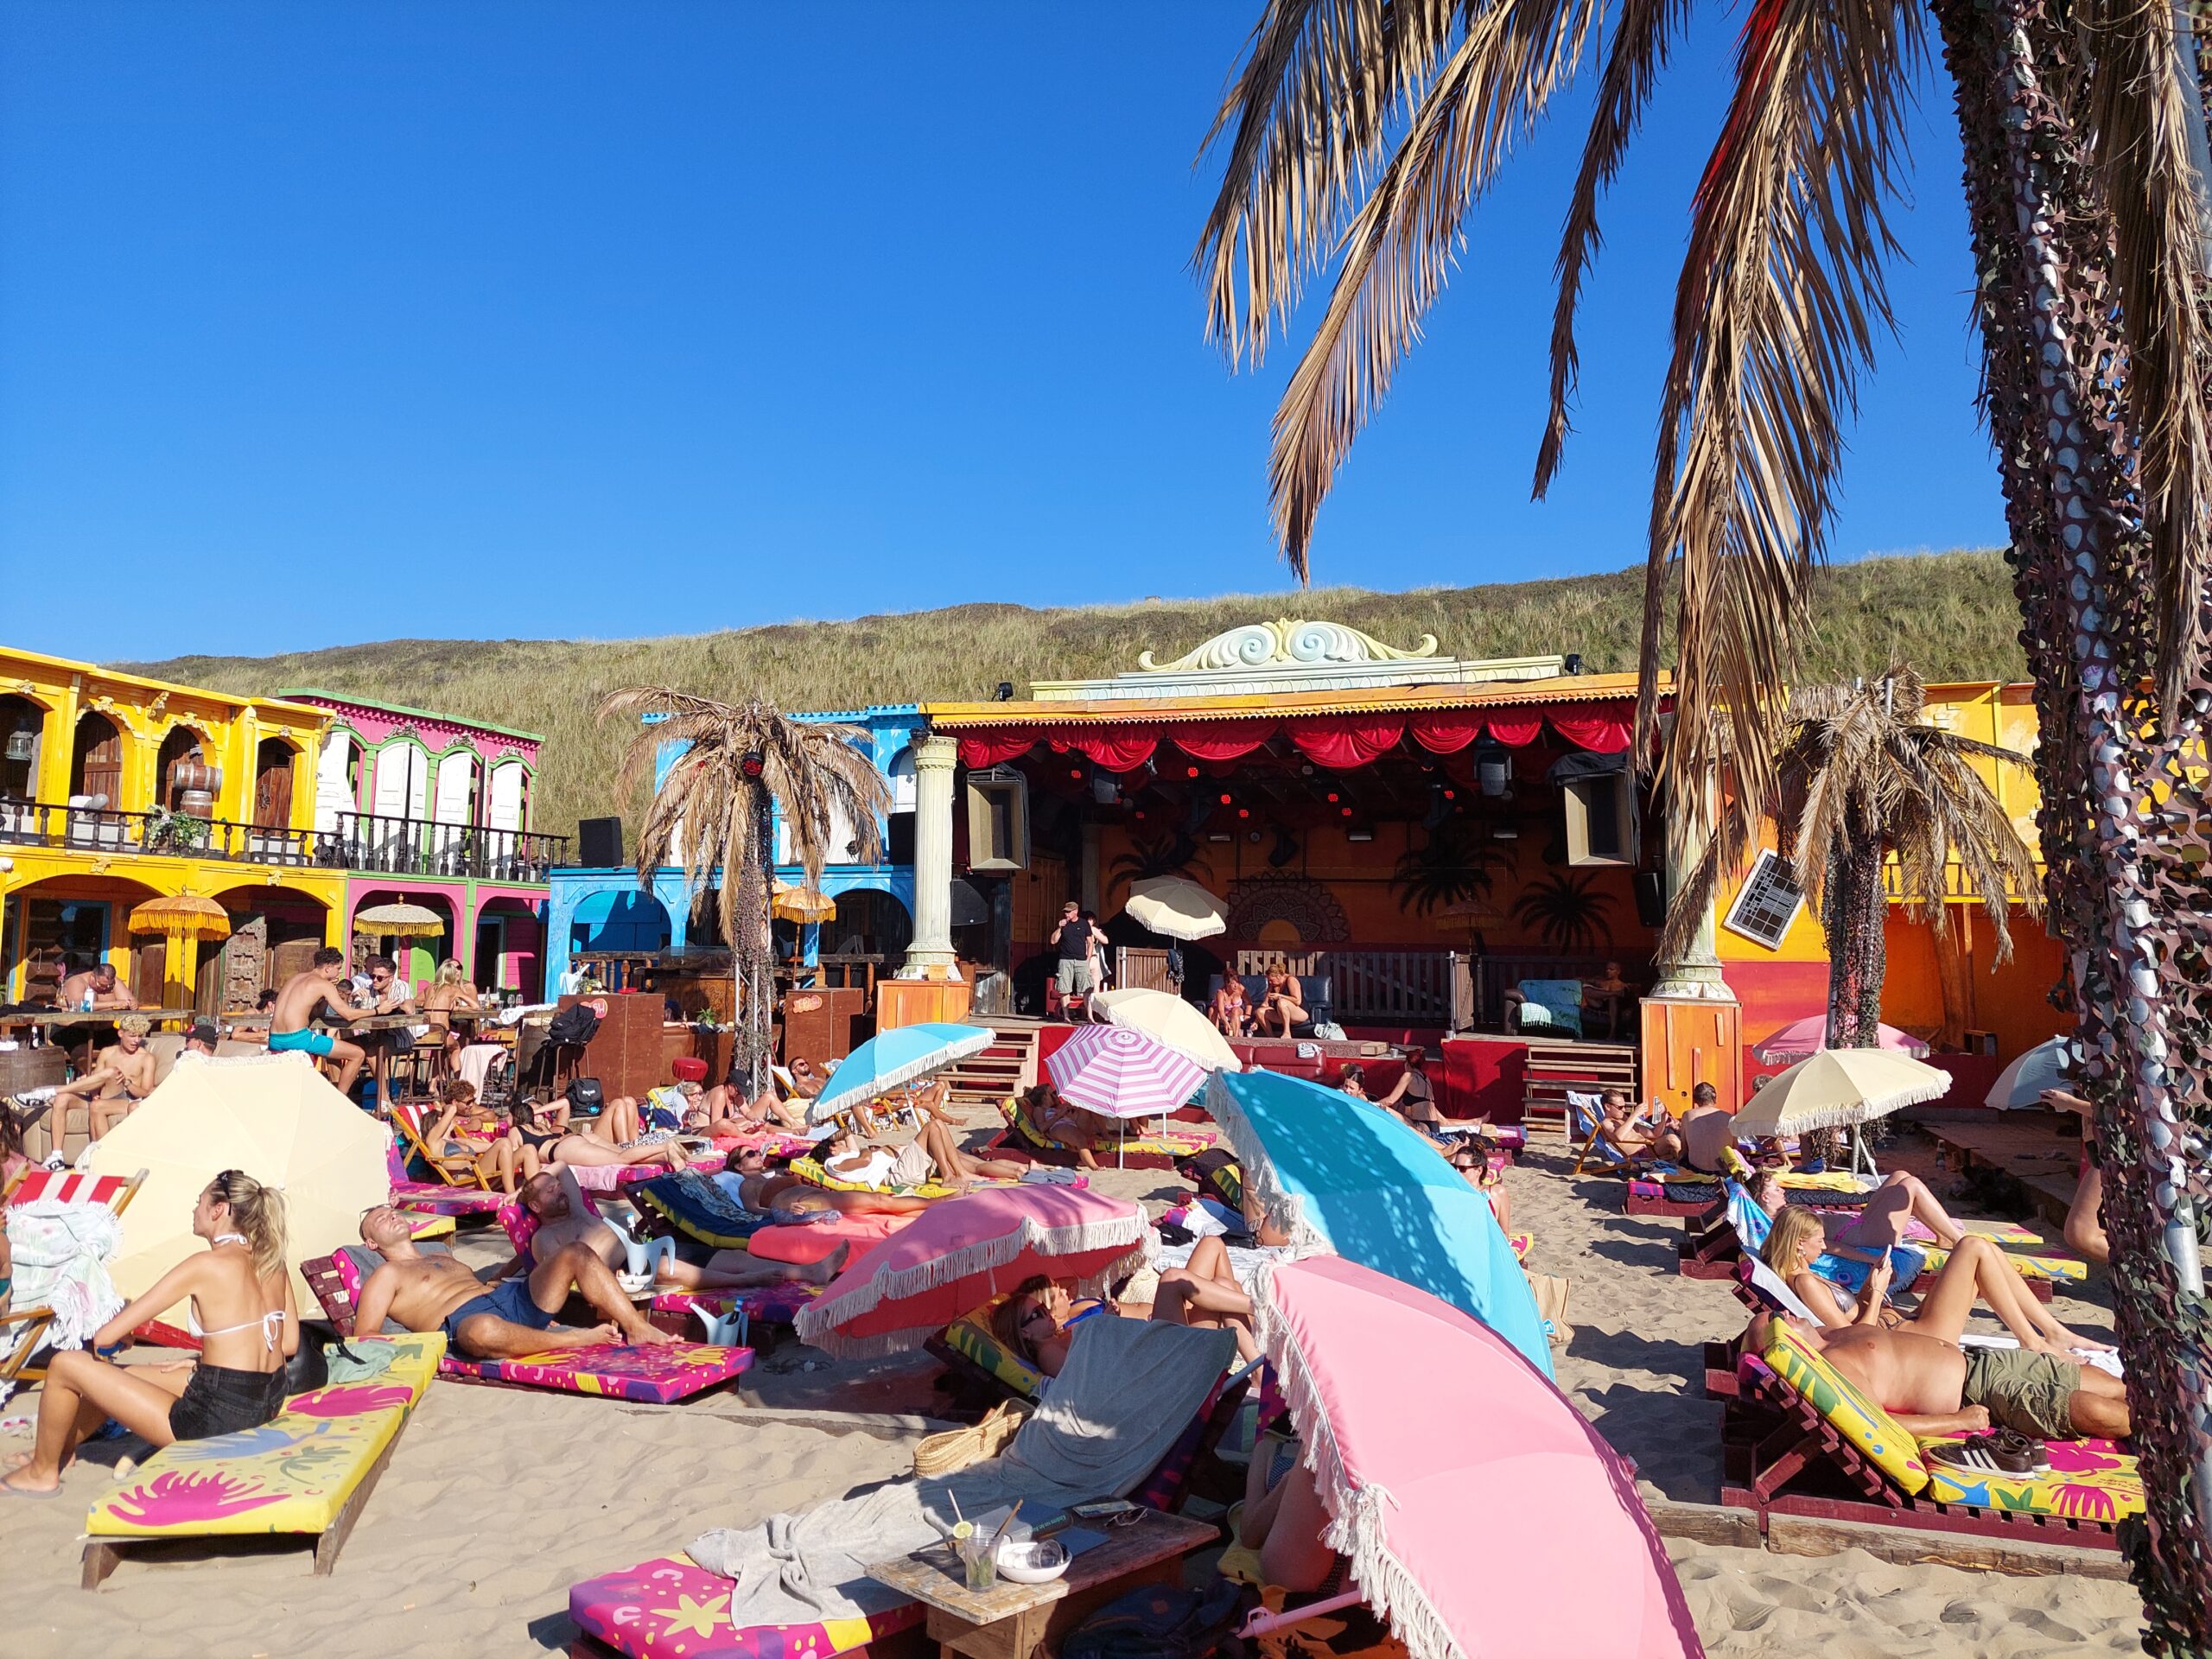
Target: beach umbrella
(1337, 1174)
(186, 917)
(1170, 1020)
(1517, 1532)
(273, 1115)
(958, 1253)
(1120, 1071)
(891, 1057)
(1839, 1089)
(796, 903)
(1177, 906)
(399, 922)
(2021, 1084)
(1802, 1038)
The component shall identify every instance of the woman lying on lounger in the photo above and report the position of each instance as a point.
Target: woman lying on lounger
(1879, 1224)
(1037, 1320)
(1976, 1267)
(241, 1296)
(932, 1155)
(1074, 1128)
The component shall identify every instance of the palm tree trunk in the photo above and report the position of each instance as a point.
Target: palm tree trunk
(1855, 907)
(2124, 894)
(752, 951)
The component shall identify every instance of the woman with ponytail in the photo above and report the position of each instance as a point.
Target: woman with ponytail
(241, 1296)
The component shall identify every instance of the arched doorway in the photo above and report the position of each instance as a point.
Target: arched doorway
(96, 762)
(274, 932)
(868, 924)
(23, 741)
(628, 920)
(510, 948)
(272, 784)
(183, 782)
(416, 959)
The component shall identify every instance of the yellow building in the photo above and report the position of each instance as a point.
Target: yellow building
(115, 788)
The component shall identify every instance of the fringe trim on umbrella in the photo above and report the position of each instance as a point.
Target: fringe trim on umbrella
(1792, 1121)
(1285, 1209)
(827, 1105)
(816, 1322)
(1357, 1513)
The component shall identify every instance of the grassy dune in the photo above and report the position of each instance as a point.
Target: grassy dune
(1950, 614)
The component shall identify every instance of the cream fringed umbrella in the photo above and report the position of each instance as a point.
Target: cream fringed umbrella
(399, 922)
(273, 1116)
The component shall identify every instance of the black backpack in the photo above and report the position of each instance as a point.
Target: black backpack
(574, 1024)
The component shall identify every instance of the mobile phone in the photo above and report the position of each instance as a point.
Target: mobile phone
(1104, 1509)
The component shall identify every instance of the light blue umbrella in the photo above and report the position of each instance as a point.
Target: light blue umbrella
(892, 1057)
(1335, 1174)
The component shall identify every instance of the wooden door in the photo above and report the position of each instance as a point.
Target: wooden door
(98, 769)
(272, 786)
(290, 958)
(148, 963)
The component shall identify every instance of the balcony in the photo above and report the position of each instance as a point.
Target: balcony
(362, 841)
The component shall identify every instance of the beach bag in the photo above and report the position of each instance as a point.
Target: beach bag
(586, 1095)
(938, 1455)
(1550, 1292)
(1159, 1622)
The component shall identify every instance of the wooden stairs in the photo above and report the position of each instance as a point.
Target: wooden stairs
(1555, 1066)
(1006, 1068)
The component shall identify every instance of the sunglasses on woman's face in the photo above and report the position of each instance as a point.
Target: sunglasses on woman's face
(1032, 1315)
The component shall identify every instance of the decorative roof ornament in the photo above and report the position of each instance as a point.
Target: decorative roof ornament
(1286, 643)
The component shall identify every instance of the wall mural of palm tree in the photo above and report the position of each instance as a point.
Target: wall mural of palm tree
(1567, 910)
(714, 812)
(1168, 853)
(1455, 865)
(1366, 133)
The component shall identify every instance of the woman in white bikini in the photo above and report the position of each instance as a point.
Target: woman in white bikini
(241, 1284)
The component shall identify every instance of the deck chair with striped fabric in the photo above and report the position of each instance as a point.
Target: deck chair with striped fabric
(23, 1330)
(459, 1170)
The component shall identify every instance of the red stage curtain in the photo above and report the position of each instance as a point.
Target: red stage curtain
(1217, 743)
(979, 749)
(1116, 751)
(1445, 731)
(1515, 731)
(1347, 741)
(1607, 733)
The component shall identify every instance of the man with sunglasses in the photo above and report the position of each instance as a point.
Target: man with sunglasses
(388, 993)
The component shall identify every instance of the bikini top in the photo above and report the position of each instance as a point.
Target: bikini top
(271, 1323)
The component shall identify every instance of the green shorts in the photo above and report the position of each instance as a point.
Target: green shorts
(2024, 1391)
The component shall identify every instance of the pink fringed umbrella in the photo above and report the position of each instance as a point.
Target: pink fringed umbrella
(959, 1253)
(1481, 1514)
(1119, 1071)
(1802, 1038)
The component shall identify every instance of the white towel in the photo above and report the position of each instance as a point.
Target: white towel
(61, 1252)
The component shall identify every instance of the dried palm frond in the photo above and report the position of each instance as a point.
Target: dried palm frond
(1310, 106)
(1514, 56)
(1781, 294)
(2145, 115)
(1639, 52)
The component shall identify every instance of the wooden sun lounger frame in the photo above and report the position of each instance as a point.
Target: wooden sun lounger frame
(1773, 1440)
(468, 1176)
(14, 1361)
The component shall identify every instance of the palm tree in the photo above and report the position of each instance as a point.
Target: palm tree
(1454, 865)
(1369, 128)
(1867, 785)
(740, 765)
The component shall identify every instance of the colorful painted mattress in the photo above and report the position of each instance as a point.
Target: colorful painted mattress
(435, 1197)
(656, 1374)
(2088, 1479)
(292, 1474)
(778, 1304)
(971, 1338)
(671, 1608)
(2056, 1269)
(1689, 1188)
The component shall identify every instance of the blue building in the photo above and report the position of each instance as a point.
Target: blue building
(606, 909)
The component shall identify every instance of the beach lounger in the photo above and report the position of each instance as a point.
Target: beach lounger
(305, 1473)
(660, 1374)
(1711, 1251)
(665, 1606)
(438, 1197)
(23, 1330)
(1160, 1149)
(971, 1350)
(1801, 1439)
(1689, 1193)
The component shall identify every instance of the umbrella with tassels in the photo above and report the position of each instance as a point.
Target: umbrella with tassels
(186, 918)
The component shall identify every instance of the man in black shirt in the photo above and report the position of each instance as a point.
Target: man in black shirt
(1072, 941)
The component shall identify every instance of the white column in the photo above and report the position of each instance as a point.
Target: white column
(1697, 976)
(931, 954)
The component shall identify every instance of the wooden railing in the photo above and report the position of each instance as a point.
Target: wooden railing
(1410, 987)
(1499, 972)
(361, 841)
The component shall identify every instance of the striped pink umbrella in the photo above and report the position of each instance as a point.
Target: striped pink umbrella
(1117, 1071)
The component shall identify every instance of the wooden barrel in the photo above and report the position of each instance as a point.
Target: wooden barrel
(194, 773)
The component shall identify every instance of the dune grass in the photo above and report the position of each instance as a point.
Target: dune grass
(1951, 615)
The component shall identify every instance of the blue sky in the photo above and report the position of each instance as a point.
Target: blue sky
(326, 323)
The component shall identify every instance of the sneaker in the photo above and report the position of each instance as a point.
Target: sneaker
(1993, 1451)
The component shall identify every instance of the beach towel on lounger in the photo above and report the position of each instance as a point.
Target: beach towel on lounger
(1128, 1391)
(1753, 1223)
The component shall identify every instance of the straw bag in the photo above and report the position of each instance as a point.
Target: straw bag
(958, 1448)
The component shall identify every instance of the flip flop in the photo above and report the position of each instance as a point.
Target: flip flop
(9, 1489)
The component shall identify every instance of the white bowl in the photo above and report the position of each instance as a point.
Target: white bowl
(1038, 1561)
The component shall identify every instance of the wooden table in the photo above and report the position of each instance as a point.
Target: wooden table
(2028, 1146)
(1018, 1621)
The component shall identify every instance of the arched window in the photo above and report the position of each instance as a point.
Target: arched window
(898, 828)
(272, 784)
(337, 783)
(22, 728)
(183, 781)
(96, 760)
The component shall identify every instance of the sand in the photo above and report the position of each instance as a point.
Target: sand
(497, 1500)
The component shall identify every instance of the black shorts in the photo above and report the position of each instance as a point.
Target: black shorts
(219, 1400)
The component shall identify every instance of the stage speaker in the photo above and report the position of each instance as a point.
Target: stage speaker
(1651, 897)
(599, 842)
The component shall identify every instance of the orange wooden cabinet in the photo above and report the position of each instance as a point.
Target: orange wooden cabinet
(1687, 1041)
(919, 1001)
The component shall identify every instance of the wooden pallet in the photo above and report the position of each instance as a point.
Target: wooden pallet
(1553, 1067)
(1000, 1071)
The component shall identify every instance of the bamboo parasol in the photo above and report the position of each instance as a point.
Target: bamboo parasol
(187, 914)
(400, 922)
(797, 904)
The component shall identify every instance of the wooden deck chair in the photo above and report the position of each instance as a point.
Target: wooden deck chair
(458, 1170)
(32, 1183)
